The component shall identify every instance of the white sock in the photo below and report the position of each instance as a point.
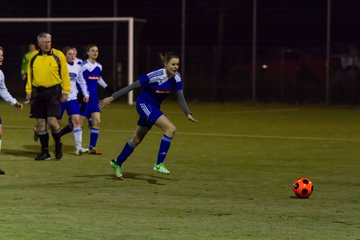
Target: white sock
(78, 137)
(0, 143)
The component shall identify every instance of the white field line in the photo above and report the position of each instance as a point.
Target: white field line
(226, 135)
(279, 110)
(268, 137)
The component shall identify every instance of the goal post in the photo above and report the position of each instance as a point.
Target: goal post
(131, 38)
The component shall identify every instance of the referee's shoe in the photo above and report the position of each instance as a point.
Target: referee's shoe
(43, 155)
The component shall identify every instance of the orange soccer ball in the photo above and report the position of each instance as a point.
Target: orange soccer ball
(303, 188)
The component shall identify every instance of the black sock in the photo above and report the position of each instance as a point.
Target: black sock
(56, 136)
(65, 130)
(44, 141)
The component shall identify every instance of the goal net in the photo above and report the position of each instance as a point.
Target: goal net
(117, 38)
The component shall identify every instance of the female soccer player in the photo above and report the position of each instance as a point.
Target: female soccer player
(71, 105)
(155, 86)
(91, 72)
(4, 93)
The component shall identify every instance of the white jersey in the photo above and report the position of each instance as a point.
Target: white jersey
(78, 61)
(75, 77)
(4, 93)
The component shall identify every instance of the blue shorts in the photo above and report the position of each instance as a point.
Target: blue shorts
(71, 107)
(0, 120)
(148, 114)
(91, 107)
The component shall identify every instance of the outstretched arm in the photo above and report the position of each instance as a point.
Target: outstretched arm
(119, 93)
(184, 106)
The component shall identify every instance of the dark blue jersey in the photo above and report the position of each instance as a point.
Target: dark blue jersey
(91, 72)
(156, 86)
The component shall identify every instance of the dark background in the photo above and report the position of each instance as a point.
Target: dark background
(218, 37)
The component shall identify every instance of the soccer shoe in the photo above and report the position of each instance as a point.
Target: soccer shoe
(94, 151)
(117, 169)
(58, 151)
(160, 168)
(81, 150)
(43, 156)
(36, 135)
(2, 172)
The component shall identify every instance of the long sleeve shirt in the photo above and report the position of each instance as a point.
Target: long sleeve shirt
(4, 93)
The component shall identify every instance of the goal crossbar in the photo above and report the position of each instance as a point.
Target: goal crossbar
(130, 21)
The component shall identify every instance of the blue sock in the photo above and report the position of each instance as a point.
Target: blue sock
(125, 153)
(94, 134)
(164, 147)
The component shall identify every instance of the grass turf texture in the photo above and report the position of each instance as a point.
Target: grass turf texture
(231, 177)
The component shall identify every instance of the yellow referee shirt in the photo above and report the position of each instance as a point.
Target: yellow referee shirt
(44, 71)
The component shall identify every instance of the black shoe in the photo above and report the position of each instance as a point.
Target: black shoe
(58, 151)
(43, 156)
(2, 172)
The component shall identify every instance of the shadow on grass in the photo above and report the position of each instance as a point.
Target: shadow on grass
(33, 149)
(19, 152)
(36, 147)
(150, 178)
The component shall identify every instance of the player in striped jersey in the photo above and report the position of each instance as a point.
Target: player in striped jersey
(155, 86)
(91, 72)
(4, 93)
(71, 105)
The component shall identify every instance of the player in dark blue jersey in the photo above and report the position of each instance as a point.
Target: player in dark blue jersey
(155, 86)
(91, 72)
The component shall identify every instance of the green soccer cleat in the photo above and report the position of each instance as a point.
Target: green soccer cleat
(160, 168)
(117, 169)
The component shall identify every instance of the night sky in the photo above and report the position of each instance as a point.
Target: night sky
(280, 22)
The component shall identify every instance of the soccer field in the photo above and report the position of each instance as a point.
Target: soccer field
(231, 177)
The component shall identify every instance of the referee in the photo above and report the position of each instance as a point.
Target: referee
(48, 83)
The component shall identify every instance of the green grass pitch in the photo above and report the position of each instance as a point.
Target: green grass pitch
(231, 177)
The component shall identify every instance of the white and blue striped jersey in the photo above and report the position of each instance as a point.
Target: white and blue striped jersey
(4, 93)
(156, 86)
(75, 77)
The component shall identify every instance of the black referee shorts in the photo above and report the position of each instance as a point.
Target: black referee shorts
(45, 102)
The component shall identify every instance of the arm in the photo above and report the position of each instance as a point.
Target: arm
(28, 88)
(24, 64)
(81, 81)
(65, 77)
(4, 93)
(126, 89)
(184, 106)
(119, 93)
(104, 85)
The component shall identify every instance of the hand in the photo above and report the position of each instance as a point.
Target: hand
(86, 99)
(191, 118)
(19, 105)
(106, 101)
(23, 77)
(64, 97)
